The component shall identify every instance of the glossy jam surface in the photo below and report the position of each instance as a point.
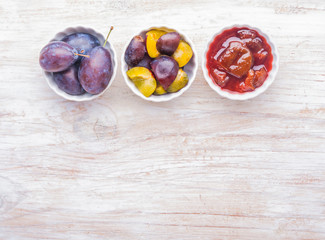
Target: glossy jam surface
(239, 60)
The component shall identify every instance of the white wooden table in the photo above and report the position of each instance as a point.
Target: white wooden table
(198, 167)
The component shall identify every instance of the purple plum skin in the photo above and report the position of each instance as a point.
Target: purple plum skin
(165, 70)
(168, 43)
(57, 56)
(135, 52)
(68, 81)
(95, 72)
(145, 62)
(81, 41)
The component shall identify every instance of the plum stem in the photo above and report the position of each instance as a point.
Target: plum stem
(82, 55)
(108, 36)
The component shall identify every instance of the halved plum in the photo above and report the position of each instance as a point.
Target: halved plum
(165, 70)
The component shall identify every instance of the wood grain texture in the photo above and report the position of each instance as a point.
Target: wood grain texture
(198, 167)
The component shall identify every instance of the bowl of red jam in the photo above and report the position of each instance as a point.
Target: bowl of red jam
(240, 62)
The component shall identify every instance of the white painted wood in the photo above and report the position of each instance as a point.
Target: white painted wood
(198, 167)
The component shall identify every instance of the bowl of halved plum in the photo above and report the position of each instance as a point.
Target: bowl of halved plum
(240, 62)
(79, 64)
(159, 64)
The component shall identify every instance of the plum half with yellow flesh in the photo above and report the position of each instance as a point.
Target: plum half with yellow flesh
(183, 53)
(151, 42)
(143, 79)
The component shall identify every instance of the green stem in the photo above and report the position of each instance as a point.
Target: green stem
(108, 36)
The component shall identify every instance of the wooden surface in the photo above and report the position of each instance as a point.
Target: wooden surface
(198, 167)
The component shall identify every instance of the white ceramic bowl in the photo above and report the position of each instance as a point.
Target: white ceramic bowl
(247, 95)
(190, 68)
(86, 96)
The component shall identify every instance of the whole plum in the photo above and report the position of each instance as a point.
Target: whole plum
(57, 56)
(68, 81)
(83, 42)
(96, 71)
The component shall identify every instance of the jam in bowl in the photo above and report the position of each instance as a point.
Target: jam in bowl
(239, 61)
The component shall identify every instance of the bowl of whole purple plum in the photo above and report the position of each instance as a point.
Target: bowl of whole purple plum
(159, 64)
(79, 64)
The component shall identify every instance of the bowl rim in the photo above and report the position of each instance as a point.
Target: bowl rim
(248, 95)
(169, 96)
(86, 96)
